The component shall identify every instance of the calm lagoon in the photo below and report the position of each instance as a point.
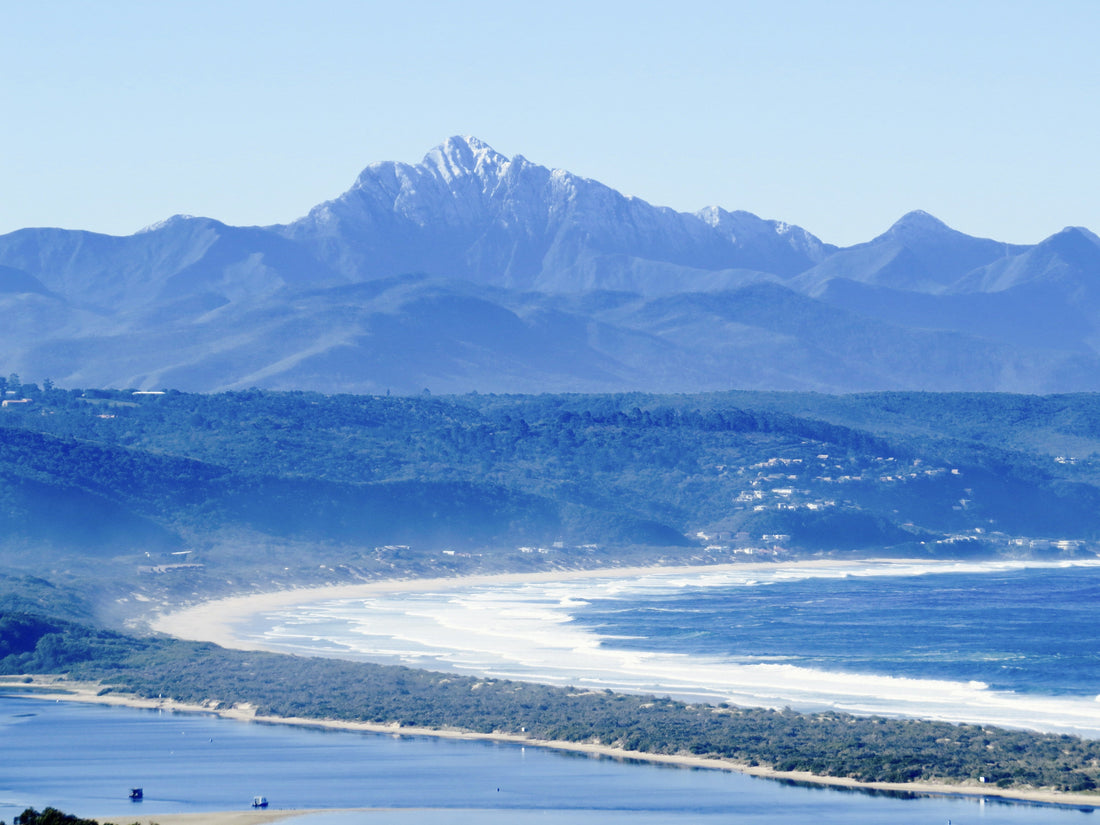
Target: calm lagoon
(83, 759)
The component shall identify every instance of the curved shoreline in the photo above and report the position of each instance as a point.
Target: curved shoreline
(214, 621)
(211, 621)
(440, 624)
(49, 688)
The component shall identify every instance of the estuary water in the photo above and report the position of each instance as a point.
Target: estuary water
(83, 759)
(1007, 643)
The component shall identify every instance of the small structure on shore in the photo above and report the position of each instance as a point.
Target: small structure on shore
(259, 802)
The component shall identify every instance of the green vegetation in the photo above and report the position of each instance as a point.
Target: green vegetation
(177, 495)
(868, 749)
(49, 816)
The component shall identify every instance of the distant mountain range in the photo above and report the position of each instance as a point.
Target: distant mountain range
(474, 271)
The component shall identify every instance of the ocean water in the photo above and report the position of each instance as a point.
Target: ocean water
(83, 759)
(1004, 643)
(1028, 631)
(1000, 643)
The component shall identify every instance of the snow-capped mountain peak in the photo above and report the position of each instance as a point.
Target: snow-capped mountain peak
(469, 211)
(420, 270)
(459, 157)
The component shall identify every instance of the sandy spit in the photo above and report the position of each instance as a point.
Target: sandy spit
(49, 688)
(214, 621)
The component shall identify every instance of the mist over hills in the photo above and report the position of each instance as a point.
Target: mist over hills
(474, 271)
(180, 494)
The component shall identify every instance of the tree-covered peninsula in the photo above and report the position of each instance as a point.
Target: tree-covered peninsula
(113, 502)
(865, 749)
(177, 495)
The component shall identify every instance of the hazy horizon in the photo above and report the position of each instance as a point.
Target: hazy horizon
(836, 118)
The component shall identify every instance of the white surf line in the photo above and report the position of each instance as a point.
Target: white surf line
(523, 631)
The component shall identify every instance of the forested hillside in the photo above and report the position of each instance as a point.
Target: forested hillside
(188, 494)
(113, 499)
(868, 749)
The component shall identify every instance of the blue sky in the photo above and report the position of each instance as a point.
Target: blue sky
(837, 116)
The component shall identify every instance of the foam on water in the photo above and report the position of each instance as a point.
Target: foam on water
(528, 632)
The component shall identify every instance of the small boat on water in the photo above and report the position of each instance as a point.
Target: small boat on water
(137, 794)
(259, 802)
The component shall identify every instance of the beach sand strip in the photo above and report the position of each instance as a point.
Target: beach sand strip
(214, 621)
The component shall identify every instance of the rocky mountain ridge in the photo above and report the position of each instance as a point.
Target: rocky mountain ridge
(475, 271)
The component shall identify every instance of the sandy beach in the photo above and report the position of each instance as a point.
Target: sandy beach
(51, 689)
(214, 621)
(530, 628)
(213, 818)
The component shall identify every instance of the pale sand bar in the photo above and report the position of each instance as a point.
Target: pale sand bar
(523, 628)
(214, 621)
(52, 689)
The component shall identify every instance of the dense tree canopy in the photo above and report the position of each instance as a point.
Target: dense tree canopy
(829, 744)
